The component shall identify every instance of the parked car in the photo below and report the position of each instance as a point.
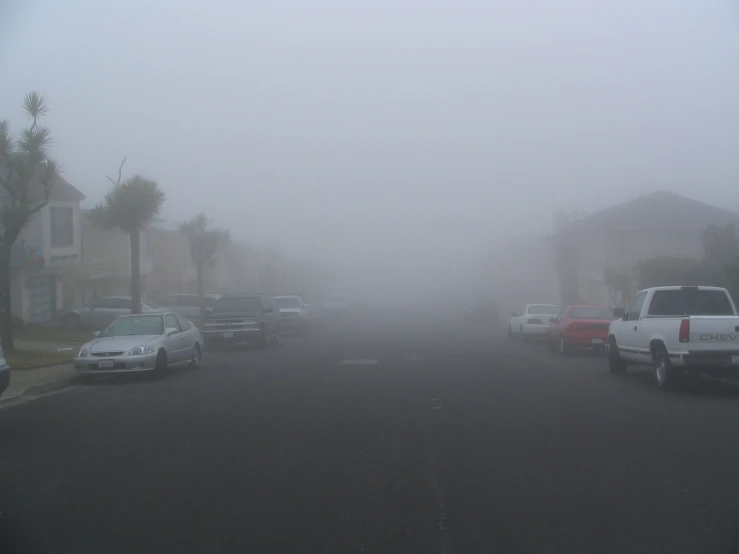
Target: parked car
(678, 331)
(188, 305)
(580, 327)
(141, 343)
(533, 322)
(292, 312)
(101, 312)
(240, 318)
(4, 372)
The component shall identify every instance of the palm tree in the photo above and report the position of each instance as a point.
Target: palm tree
(205, 242)
(130, 206)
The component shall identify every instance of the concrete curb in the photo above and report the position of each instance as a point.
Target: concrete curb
(51, 386)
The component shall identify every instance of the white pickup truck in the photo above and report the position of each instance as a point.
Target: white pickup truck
(678, 331)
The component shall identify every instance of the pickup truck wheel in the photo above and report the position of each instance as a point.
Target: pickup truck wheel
(665, 376)
(616, 364)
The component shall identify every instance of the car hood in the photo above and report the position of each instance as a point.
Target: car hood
(109, 344)
(235, 314)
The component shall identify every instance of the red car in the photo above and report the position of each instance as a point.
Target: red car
(580, 327)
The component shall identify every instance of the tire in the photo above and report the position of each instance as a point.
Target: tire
(160, 367)
(196, 357)
(563, 348)
(616, 364)
(72, 320)
(666, 377)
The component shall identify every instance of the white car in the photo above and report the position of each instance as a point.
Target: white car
(141, 343)
(533, 322)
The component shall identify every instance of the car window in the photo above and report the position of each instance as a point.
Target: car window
(632, 313)
(122, 303)
(131, 326)
(105, 303)
(690, 302)
(184, 324)
(171, 322)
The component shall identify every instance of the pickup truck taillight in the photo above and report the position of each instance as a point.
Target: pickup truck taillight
(684, 335)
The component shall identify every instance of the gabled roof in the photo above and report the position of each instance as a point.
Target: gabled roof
(658, 210)
(61, 189)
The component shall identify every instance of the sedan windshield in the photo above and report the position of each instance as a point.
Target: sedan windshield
(591, 313)
(287, 302)
(543, 309)
(131, 326)
(238, 303)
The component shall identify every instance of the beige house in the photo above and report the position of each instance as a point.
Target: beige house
(655, 224)
(104, 267)
(49, 244)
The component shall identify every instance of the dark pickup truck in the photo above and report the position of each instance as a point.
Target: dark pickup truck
(238, 318)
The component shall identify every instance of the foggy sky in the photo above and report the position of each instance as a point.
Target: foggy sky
(412, 128)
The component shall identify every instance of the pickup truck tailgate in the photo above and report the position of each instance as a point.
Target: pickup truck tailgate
(714, 333)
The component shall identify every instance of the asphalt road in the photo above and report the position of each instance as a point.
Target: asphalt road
(456, 441)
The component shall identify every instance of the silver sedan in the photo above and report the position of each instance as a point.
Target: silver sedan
(141, 343)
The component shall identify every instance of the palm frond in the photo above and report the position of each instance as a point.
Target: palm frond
(34, 104)
(133, 203)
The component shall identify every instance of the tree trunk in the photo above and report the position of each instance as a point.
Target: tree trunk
(135, 272)
(6, 319)
(199, 268)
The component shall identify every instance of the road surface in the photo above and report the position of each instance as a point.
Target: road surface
(385, 437)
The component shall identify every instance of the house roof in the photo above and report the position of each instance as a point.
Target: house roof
(61, 190)
(658, 210)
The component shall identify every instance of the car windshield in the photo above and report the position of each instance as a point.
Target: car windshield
(238, 303)
(543, 309)
(591, 313)
(287, 302)
(137, 325)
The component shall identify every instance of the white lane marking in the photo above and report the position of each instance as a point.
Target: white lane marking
(433, 475)
(358, 362)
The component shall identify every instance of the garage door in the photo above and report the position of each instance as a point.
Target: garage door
(41, 298)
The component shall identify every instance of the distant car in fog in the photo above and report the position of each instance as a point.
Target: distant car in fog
(188, 305)
(580, 327)
(238, 318)
(292, 312)
(334, 304)
(101, 312)
(4, 372)
(533, 322)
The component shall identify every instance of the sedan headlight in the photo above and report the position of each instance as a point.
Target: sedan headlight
(83, 353)
(138, 350)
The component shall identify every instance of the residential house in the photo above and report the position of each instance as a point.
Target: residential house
(104, 267)
(174, 270)
(49, 244)
(655, 224)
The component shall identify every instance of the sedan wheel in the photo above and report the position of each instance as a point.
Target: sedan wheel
(196, 356)
(563, 348)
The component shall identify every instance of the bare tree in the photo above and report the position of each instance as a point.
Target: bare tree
(205, 242)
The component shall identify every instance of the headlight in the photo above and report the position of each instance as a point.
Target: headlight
(138, 350)
(83, 353)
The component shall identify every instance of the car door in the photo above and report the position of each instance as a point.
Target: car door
(190, 336)
(555, 328)
(628, 336)
(176, 343)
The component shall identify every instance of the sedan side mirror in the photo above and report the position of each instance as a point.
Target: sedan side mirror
(619, 312)
(171, 331)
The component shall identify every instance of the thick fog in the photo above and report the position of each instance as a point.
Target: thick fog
(401, 141)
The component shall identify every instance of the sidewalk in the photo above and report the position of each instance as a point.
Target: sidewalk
(31, 382)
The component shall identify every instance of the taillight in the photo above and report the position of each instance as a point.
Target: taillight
(684, 335)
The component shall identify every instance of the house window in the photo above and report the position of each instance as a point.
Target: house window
(62, 227)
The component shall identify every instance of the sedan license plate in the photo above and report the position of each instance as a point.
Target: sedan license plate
(735, 360)
(104, 364)
(597, 341)
(228, 335)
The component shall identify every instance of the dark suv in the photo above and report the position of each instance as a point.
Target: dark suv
(241, 318)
